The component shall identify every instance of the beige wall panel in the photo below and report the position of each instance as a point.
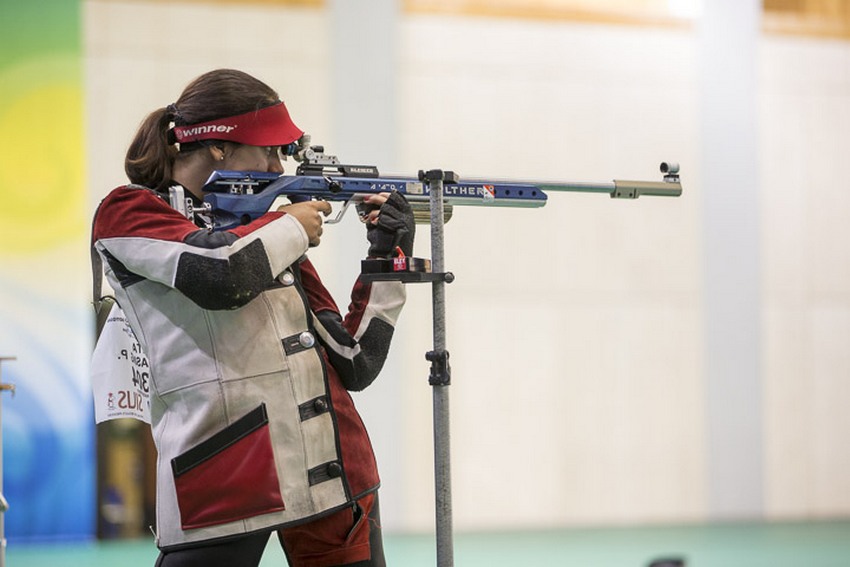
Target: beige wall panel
(805, 120)
(574, 329)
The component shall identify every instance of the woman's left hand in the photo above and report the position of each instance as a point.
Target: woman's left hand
(371, 206)
(389, 226)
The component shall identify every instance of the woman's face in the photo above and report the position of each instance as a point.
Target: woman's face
(241, 157)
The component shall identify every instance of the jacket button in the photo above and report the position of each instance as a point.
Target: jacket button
(320, 405)
(306, 339)
(286, 278)
(334, 470)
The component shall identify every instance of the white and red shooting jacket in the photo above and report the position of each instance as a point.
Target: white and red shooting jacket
(250, 367)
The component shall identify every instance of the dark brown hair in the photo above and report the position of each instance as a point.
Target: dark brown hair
(213, 95)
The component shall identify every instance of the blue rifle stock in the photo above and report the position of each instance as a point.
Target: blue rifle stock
(239, 197)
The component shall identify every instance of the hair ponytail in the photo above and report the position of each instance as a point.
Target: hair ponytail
(150, 157)
(216, 94)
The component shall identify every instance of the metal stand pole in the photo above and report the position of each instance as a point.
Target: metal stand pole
(3, 504)
(440, 377)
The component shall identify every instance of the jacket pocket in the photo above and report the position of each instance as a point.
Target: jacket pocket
(230, 476)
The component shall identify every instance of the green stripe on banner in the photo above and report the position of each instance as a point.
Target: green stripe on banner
(36, 27)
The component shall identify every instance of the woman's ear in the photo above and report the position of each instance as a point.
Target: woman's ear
(217, 152)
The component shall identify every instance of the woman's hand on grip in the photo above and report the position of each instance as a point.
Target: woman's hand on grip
(310, 214)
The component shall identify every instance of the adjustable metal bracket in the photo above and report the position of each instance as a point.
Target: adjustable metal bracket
(441, 371)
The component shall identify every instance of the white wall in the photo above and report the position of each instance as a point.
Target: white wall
(804, 167)
(576, 331)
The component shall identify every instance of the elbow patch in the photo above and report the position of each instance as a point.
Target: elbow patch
(216, 283)
(358, 373)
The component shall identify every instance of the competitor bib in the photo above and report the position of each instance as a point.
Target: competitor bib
(120, 372)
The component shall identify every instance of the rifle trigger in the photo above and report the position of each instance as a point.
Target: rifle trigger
(340, 214)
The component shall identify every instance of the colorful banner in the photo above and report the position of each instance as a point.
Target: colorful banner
(45, 316)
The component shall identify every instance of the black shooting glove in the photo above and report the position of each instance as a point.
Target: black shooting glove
(395, 228)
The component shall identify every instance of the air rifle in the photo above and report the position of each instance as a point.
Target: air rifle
(234, 198)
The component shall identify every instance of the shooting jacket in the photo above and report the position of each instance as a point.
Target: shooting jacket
(250, 367)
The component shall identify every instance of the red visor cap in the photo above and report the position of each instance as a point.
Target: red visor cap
(269, 126)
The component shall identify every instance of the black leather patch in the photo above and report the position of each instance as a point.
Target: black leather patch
(356, 374)
(217, 284)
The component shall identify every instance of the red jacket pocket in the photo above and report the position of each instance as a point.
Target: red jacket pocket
(230, 476)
